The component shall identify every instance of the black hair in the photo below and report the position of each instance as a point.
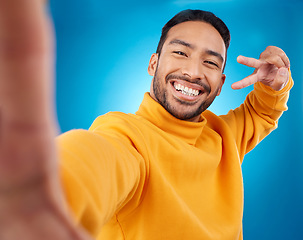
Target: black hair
(195, 15)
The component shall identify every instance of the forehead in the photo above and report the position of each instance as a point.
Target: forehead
(201, 34)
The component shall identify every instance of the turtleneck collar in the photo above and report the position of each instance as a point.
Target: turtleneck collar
(157, 115)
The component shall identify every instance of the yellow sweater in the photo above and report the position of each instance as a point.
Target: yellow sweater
(151, 176)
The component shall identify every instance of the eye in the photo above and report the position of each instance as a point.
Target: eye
(180, 53)
(212, 63)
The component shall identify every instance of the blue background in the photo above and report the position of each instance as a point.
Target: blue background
(103, 49)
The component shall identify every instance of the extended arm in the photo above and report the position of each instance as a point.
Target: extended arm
(100, 174)
(259, 113)
(31, 199)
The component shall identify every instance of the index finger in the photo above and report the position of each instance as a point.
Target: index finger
(250, 62)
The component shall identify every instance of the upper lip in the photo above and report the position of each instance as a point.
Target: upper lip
(194, 86)
(187, 84)
(185, 81)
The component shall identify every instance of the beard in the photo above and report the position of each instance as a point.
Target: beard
(161, 96)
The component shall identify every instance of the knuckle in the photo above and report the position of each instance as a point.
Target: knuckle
(269, 48)
(273, 50)
(275, 58)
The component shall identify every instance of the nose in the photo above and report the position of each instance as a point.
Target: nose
(193, 69)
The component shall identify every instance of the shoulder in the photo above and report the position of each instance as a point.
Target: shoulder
(118, 124)
(113, 119)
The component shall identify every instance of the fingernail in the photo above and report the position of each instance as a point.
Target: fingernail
(283, 72)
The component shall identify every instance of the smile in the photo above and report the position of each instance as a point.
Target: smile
(186, 90)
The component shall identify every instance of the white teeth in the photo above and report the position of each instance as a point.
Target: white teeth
(186, 90)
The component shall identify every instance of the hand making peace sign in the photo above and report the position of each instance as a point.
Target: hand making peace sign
(271, 69)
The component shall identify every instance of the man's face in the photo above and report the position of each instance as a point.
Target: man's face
(188, 73)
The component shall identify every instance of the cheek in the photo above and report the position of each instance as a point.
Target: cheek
(160, 76)
(169, 65)
(214, 79)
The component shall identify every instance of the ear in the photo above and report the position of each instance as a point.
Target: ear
(152, 66)
(223, 77)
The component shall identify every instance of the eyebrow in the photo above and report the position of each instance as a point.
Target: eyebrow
(178, 41)
(208, 51)
(216, 54)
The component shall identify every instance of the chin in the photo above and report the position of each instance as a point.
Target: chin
(187, 114)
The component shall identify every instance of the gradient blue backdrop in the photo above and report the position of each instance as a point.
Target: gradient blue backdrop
(103, 49)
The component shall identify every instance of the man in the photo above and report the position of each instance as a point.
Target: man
(170, 171)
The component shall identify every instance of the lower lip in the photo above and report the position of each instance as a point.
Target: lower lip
(182, 96)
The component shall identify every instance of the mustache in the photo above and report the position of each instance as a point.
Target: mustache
(205, 86)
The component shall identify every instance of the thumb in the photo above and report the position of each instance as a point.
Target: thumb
(281, 79)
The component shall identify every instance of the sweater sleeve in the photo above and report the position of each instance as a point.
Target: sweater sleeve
(257, 116)
(99, 174)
